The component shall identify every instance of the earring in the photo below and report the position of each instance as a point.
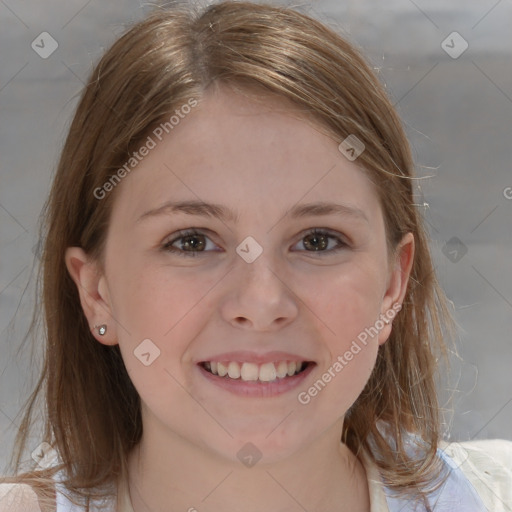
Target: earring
(102, 329)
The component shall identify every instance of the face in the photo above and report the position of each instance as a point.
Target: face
(263, 284)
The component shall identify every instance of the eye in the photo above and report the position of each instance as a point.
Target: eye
(192, 242)
(317, 240)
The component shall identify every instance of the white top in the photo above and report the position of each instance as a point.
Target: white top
(480, 480)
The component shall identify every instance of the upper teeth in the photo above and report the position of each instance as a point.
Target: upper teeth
(266, 372)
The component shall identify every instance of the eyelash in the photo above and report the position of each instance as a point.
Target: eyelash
(167, 246)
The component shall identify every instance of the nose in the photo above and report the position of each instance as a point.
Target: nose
(261, 297)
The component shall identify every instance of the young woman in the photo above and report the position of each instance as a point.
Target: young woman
(241, 309)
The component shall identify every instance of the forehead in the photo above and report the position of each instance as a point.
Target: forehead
(255, 155)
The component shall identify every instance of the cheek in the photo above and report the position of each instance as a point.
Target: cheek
(347, 302)
(171, 307)
(154, 302)
(159, 313)
(340, 383)
(347, 311)
(351, 348)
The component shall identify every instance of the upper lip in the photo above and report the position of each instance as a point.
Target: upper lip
(245, 356)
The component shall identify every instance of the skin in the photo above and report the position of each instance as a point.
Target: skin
(259, 159)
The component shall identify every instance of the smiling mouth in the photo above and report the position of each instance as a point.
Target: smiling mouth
(266, 372)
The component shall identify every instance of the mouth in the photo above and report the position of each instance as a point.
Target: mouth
(258, 380)
(253, 372)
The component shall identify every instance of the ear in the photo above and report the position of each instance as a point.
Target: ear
(93, 291)
(400, 271)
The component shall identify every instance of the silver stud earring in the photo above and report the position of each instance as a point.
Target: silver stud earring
(102, 329)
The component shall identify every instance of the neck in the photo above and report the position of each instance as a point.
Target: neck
(166, 472)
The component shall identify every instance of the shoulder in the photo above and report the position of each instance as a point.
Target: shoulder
(17, 497)
(45, 491)
(498, 451)
(487, 464)
(33, 491)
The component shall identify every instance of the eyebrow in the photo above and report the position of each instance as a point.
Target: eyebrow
(203, 209)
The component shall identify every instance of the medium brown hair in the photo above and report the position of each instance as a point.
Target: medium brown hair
(93, 415)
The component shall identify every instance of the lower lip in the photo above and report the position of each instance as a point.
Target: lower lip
(257, 388)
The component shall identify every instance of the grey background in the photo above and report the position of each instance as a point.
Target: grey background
(458, 115)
